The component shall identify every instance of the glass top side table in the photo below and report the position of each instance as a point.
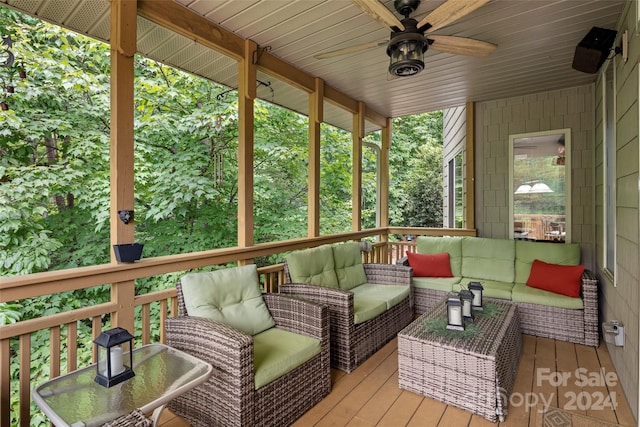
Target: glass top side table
(162, 373)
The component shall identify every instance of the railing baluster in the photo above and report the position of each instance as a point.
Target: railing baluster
(146, 324)
(5, 385)
(25, 380)
(72, 346)
(54, 349)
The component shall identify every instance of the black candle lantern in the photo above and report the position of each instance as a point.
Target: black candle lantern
(476, 289)
(467, 299)
(115, 357)
(454, 313)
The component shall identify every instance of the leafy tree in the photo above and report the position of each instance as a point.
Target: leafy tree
(415, 160)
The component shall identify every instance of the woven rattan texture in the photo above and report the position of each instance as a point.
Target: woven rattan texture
(134, 419)
(352, 344)
(229, 397)
(475, 374)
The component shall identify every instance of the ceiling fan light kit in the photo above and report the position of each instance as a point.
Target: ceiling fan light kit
(406, 51)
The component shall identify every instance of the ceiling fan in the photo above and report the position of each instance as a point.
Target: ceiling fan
(410, 38)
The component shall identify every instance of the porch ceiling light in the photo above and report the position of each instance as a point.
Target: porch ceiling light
(406, 50)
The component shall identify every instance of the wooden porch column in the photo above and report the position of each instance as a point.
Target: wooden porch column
(316, 113)
(470, 177)
(247, 76)
(123, 47)
(384, 175)
(356, 185)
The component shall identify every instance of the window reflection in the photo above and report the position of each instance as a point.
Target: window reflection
(539, 192)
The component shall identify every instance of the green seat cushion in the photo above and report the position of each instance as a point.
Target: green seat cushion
(437, 283)
(438, 245)
(276, 352)
(524, 293)
(367, 308)
(492, 288)
(347, 259)
(314, 266)
(553, 253)
(490, 259)
(392, 295)
(231, 296)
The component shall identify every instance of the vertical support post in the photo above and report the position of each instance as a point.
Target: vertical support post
(470, 177)
(247, 87)
(356, 182)
(384, 173)
(316, 113)
(387, 133)
(123, 47)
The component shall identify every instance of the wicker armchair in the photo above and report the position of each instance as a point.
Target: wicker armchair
(229, 397)
(352, 344)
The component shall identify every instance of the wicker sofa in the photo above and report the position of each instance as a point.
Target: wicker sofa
(503, 267)
(248, 386)
(368, 303)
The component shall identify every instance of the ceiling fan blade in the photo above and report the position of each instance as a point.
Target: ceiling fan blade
(461, 45)
(351, 49)
(380, 13)
(448, 12)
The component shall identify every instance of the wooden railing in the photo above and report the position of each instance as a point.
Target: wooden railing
(62, 329)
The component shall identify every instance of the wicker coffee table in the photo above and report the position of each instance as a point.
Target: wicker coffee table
(473, 373)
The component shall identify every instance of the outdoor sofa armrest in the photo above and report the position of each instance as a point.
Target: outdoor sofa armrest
(227, 349)
(388, 274)
(340, 302)
(298, 316)
(403, 261)
(590, 302)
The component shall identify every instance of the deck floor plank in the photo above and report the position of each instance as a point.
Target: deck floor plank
(369, 396)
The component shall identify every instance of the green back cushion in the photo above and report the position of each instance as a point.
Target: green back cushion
(231, 296)
(314, 266)
(437, 245)
(554, 253)
(348, 265)
(491, 259)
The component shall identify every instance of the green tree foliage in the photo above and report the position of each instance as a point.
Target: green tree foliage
(416, 171)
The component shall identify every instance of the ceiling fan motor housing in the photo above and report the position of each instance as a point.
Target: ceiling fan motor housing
(406, 7)
(406, 50)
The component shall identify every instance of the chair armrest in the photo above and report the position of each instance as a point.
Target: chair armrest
(388, 274)
(340, 302)
(590, 291)
(590, 302)
(227, 349)
(403, 261)
(298, 316)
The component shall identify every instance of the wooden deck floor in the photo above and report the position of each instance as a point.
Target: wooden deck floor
(370, 396)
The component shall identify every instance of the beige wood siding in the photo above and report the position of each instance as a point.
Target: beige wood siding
(454, 121)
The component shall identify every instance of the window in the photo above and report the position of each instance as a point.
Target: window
(455, 202)
(540, 186)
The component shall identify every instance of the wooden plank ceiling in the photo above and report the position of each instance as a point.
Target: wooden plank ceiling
(536, 41)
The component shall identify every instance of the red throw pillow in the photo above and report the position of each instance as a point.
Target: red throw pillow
(432, 265)
(560, 279)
